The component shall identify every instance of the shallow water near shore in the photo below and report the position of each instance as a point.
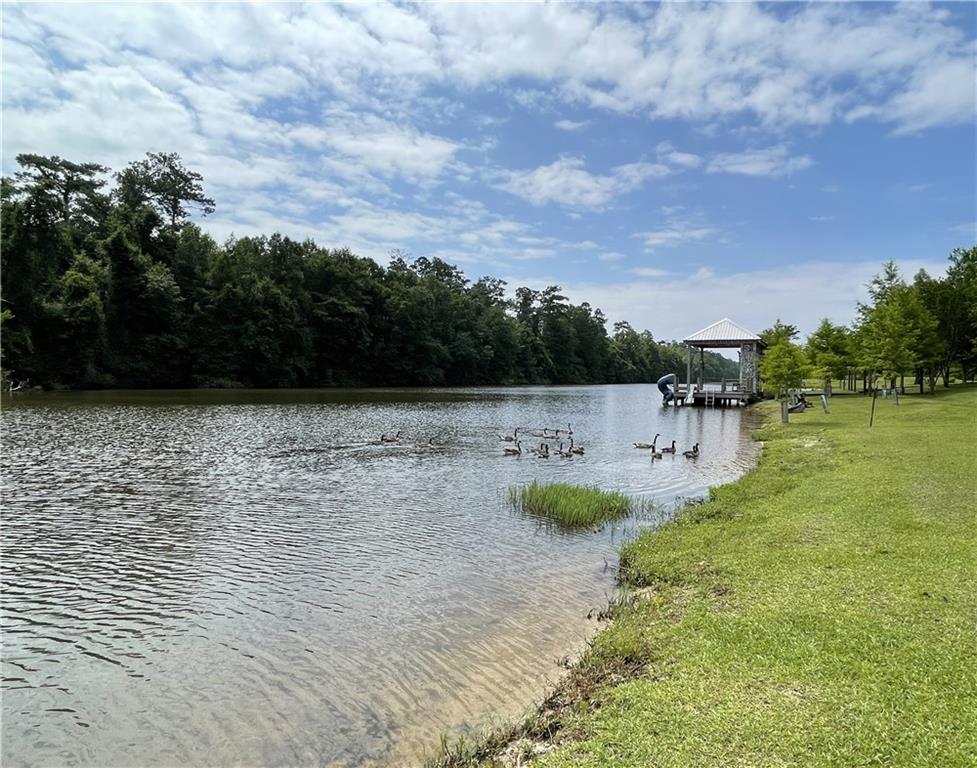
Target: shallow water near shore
(251, 577)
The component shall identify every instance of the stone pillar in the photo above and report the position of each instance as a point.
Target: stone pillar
(748, 371)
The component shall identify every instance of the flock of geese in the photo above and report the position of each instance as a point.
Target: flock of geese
(543, 451)
(512, 444)
(652, 447)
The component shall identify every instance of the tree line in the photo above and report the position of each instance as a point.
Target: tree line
(924, 331)
(116, 287)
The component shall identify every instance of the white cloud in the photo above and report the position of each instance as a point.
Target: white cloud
(668, 154)
(530, 254)
(934, 96)
(611, 256)
(571, 125)
(365, 221)
(385, 148)
(679, 228)
(566, 182)
(674, 234)
(810, 65)
(772, 161)
(648, 272)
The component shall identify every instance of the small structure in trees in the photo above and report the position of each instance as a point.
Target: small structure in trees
(724, 334)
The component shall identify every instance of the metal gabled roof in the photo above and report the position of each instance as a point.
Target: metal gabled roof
(724, 330)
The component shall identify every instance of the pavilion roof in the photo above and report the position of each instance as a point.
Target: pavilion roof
(723, 333)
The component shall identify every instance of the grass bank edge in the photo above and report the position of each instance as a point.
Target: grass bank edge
(685, 575)
(610, 658)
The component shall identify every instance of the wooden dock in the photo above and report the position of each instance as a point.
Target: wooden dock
(713, 397)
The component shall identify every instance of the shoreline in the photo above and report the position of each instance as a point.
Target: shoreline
(742, 627)
(509, 743)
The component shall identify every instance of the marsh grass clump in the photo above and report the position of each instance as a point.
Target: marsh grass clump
(571, 505)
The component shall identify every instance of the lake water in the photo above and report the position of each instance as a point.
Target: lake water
(246, 577)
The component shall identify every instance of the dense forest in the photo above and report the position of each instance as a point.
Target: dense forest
(111, 285)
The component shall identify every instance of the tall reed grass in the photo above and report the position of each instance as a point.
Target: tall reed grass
(571, 505)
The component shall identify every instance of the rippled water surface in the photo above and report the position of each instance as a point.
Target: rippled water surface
(201, 578)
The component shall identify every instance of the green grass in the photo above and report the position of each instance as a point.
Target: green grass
(818, 612)
(571, 505)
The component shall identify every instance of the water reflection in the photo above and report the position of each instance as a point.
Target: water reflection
(252, 577)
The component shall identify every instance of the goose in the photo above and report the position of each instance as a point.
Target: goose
(693, 454)
(390, 438)
(563, 454)
(649, 445)
(509, 450)
(510, 438)
(428, 444)
(669, 450)
(577, 449)
(655, 454)
(543, 452)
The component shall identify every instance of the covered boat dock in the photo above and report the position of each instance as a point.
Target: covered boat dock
(723, 334)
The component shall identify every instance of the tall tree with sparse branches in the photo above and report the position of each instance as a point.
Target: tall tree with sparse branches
(162, 181)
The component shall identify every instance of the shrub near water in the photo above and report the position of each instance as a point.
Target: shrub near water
(571, 505)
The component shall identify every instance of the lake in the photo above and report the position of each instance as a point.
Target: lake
(248, 577)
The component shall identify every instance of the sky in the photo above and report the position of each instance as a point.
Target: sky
(670, 164)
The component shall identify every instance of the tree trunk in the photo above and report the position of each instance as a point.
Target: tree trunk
(902, 383)
(871, 419)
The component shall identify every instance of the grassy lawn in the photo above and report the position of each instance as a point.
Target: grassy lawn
(821, 611)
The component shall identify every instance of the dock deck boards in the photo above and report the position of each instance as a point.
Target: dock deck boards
(720, 398)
